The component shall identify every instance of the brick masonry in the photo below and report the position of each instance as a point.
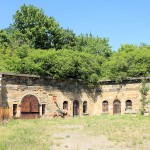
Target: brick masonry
(52, 93)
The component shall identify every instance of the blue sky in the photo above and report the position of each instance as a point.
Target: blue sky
(122, 21)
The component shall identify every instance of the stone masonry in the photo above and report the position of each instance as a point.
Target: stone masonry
(53, 93)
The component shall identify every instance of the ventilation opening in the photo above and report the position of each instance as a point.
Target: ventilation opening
(43, 109)
(14, 110)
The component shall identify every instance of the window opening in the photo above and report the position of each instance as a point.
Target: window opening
(65, 105)
(85, 107)
(105, 106)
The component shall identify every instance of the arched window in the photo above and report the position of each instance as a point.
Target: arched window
(105, 106)
(85, 107)
(128, 104)
(65, 105)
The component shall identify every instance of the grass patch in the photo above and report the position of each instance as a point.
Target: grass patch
(37, 134)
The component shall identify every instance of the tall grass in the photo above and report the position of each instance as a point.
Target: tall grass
(4, 114)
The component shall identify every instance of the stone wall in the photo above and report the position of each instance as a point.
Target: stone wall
(53, 93)
(128, 90)
(15, 87)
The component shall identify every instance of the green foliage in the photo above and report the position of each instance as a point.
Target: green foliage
(4, 40)
(68, 39)
(144, 92)
(93, 45)
(129, 61)
(79, 57)
(36, 44)
(62, 64)
(31, 23)
(6, 54)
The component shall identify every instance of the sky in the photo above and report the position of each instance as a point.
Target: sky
(121, 21)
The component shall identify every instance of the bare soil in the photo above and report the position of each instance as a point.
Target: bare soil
(72, 138)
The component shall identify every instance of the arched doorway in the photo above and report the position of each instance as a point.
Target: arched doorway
(116, 107)
(75, 108)
(29, 107)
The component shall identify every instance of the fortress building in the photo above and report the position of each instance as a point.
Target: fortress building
(31, 96)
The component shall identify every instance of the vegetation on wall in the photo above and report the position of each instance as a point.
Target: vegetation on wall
(144, 92)
(37, 44)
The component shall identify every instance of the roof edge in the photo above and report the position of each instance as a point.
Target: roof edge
(101, 81)
(17, 74)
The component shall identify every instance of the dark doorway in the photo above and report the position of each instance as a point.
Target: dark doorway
(29, 107)
(116, 107)
(75, 108)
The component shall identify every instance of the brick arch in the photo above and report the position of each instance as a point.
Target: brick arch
(29, 107)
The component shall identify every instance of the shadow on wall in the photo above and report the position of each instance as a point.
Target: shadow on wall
(74, 90)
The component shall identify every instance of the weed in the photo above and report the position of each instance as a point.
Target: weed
(67, 136)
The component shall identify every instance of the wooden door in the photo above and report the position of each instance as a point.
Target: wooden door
(117, 107)
(75, 108)
(29, 107)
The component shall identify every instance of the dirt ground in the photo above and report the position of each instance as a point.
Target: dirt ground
(73, 139)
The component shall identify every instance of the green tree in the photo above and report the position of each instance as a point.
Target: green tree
(68, 39)
(4, 39)
(116, 67)
(31, 23)
(62, 64)
(94, 45)
(5, 50)
(129, 61)
(144, 92)
(128, 48)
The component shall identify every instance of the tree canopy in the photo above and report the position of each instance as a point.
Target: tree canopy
(36, 44)
(129, 61)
